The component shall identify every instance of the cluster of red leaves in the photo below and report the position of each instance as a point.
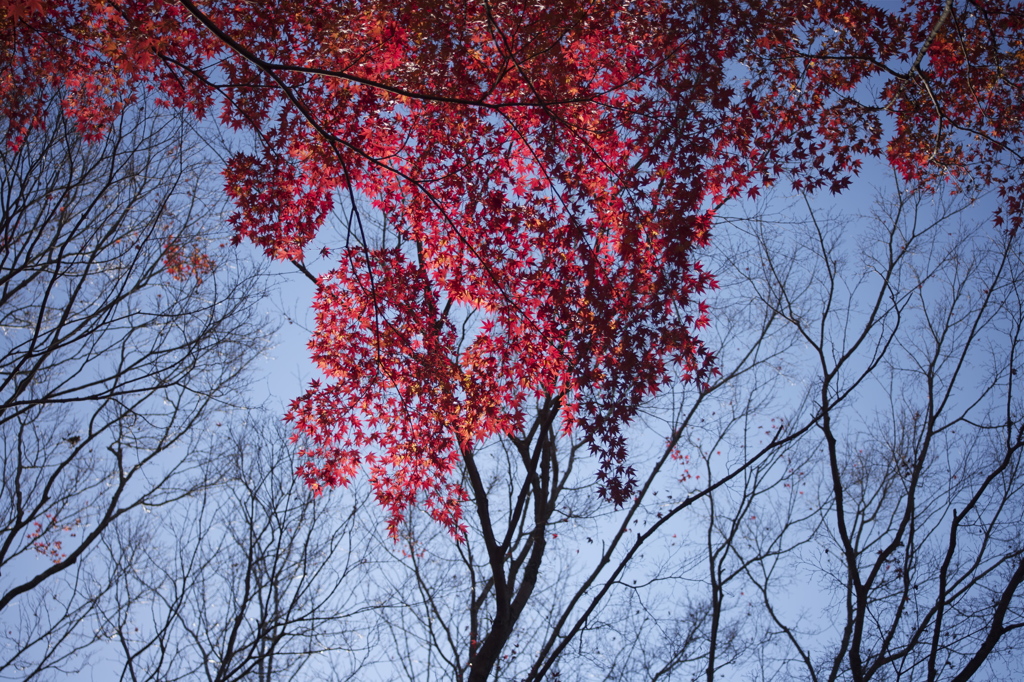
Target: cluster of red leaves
(183, 261)
(968, 95)
(546, 172)
(96, 56)
(48, 547)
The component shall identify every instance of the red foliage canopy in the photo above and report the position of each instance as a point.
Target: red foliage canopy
(545, 173)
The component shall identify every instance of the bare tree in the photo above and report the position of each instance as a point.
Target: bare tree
(253, 579)
(913, 346)
(124, 335)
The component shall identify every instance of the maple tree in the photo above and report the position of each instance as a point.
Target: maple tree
(545, 173)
